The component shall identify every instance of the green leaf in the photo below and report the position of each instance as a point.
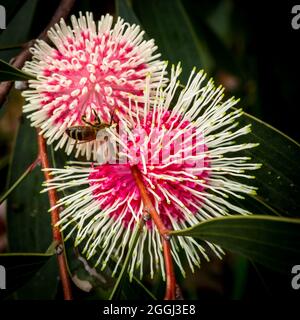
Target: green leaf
(278, 179)
(214, 43)
(20, 268)
(29, 223)
(8, 72)
(11, 9)
(168, 23)
(18, 29)
(125, 11)
(271, 241)
(10, 47)
(19, 180)
(43, 286)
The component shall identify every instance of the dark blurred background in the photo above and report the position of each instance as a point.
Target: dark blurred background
(248, 46)
(263, 65)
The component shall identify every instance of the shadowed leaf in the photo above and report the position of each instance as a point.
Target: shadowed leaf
(168, 23)
(278, 180)
(8, 72)
(20, 268)
(271, 241)
(28, 220)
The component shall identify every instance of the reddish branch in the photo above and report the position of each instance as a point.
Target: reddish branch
(57, 237)
(171, 281)
(149, 209)
(62, 11)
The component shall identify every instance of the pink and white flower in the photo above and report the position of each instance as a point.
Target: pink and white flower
(91, 66)
(184, 148)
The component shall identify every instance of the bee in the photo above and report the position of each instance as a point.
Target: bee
(89, 132)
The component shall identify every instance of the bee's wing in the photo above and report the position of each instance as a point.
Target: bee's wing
(107, 151)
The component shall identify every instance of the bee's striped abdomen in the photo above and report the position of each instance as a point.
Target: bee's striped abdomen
(81, 133)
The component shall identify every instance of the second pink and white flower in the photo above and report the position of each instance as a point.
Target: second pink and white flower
(185, 151)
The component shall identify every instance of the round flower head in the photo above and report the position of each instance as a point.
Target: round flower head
(185, 151)
(86, 76)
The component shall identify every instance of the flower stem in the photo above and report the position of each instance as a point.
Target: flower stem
(20, 179)
(149, 208)
(57, 237)
(164, 232)
(171, 281)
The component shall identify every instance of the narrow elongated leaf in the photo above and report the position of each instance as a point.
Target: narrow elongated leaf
(125, 11)
(11, 9)
(168, 23)
(221, 55)
(271, 241)
(44, 285)
(17, 183)
(18, 29)
(29, 223)
(8, 72)
(10, 47)
(278, 179)
(20, 268)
